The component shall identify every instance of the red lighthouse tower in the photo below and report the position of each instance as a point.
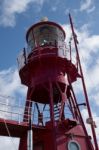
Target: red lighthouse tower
(52, 118)
(48, 72)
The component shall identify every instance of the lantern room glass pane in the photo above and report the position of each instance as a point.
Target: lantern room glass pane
(47, 35)
(44, 35)
(31, 44)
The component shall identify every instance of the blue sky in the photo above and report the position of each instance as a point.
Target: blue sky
(15, 18)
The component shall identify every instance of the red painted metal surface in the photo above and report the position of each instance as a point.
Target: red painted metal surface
(43, 136)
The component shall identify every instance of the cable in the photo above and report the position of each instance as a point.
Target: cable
(9, 134)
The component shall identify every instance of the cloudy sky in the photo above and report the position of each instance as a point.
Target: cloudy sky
(15, 18)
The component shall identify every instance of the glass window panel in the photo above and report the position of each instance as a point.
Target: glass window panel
(73, 146)
(30, 45)
(48, 34)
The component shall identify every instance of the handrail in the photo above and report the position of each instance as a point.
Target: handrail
(16, 113)
(62, 51)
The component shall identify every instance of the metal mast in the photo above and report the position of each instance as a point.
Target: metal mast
(84, 86)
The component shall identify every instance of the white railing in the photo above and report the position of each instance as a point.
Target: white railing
(63, 52)
(16, 110)
(11, 109)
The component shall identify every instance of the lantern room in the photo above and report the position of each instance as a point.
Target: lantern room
(44, 33)
(44, 39)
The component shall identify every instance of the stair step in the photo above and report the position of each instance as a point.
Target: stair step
(57, 116)
(57, 106)
(55, 113)
(56, 110)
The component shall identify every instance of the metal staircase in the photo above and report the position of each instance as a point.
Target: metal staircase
(57, 111)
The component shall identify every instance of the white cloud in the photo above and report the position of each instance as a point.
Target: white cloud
(89, 53)
(96, 97)
(11, 93)
(10, 83)
(87, 5)
(9, 143)
(10, 8)
(95, 118)
(91, 9)
(10, 88)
